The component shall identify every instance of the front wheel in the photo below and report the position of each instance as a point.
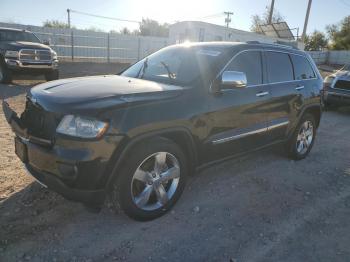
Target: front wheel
(52, 75)
(151, 179)
(300, 144)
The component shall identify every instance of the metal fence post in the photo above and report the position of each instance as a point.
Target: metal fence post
(138, 47)
(108, 49)
(72, 44)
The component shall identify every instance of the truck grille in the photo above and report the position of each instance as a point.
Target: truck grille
(40, 123)
(35, 55)
(342, 84)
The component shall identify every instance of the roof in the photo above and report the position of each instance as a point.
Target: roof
(13, 29)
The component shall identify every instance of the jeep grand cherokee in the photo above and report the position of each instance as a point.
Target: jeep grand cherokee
(137, 136)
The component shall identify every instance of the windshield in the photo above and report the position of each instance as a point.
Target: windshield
(179, 65)
(6, 35)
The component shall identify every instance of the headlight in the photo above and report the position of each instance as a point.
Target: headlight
(14, 54)
(81, 127)
(54, 55)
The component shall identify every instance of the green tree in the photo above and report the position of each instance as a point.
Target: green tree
(263, 19)
(55, 24)
(316, 41)
(125, 31)
(339, 35)
(149, 27)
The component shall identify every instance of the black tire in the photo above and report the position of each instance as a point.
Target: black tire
(5, 74)
(121, 194)
(52, 75)
(292, 145)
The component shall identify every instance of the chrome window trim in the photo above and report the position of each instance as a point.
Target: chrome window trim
(264, 84)
(260, 130)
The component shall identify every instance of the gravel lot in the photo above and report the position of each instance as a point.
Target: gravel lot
(260, 207)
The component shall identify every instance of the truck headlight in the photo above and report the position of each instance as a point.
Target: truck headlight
(12, 54)
(53, 55)
(83, 127)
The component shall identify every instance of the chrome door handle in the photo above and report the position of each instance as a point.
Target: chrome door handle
(261, 94)
(299, 88)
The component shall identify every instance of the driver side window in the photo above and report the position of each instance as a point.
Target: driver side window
(250, 63)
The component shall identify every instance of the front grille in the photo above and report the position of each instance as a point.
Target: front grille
(35, 55)
(40, 123)
(342, 84)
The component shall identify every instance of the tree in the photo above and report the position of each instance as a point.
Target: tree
(339, 35)
(125, 31)
(263, 19)
(316, 41)
(149, 27)
(55, 24)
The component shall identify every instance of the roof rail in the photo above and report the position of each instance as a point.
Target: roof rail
(273, 44)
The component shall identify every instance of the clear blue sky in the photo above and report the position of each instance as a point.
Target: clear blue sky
(34, 12)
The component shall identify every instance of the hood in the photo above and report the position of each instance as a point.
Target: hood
(343, 75)
(16, 46)
(98, 92)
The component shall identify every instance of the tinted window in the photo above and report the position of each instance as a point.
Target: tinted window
(250, 63)
(302, 68)
(279, 67)
(6, 35)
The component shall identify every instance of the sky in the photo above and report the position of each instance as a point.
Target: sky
(34, 12)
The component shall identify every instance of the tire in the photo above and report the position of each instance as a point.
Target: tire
(52, 75)
(5, 74)
(141, 188)
(303, 138)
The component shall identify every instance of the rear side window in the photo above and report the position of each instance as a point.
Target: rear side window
(249, 63)
(302, 68)
(279, 67)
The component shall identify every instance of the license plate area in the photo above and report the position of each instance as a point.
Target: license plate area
(21, 150)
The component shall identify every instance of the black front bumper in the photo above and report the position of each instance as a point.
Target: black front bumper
(78, 170)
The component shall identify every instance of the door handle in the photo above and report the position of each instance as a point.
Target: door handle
(299, 87)
(261, 94)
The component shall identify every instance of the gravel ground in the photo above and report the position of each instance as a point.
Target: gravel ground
(260, 207)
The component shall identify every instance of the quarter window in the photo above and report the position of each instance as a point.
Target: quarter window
(302, 68)
(249, 63)
(279, 67)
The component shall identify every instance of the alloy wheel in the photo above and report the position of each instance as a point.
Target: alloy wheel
(305, 137)
(155, 181)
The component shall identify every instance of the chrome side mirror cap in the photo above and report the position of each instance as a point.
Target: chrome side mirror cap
(233, 79)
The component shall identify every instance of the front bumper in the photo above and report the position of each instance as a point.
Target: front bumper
(339, 97)
(76, 169)
(18, 65)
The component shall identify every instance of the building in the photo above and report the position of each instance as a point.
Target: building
(197, 31)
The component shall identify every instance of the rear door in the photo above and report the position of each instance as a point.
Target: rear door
(286, 93)
(237, 119)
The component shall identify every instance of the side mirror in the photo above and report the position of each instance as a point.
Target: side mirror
(233, 79)
(46, 42)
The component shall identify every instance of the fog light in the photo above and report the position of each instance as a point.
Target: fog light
(68, 171)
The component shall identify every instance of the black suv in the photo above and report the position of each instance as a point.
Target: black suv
(21, 52)
(137, 136)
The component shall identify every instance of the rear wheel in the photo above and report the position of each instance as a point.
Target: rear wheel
(151, 179)
(5, 74)
(303, 138)
(52, 75)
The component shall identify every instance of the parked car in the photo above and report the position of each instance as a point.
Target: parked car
(137, 136)
(21, 52)
(337, 87)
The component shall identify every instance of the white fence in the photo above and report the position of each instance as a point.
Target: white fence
(89, 45)
(113, 47)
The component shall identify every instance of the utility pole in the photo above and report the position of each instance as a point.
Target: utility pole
(228, 19)
(306, 20)
(68, 12)
(271, 11)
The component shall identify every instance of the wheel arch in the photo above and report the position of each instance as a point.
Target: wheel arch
(314, 110)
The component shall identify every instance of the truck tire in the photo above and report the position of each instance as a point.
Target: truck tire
(52, 75)
(5, 74)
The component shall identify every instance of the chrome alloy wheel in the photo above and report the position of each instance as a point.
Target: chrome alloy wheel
(155, 181)
(305, 137)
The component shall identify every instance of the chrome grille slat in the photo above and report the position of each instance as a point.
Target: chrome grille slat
(35, 55)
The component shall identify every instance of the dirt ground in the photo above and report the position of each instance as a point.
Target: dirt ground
(260, 207)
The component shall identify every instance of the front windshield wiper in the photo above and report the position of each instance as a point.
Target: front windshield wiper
(170, 74)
